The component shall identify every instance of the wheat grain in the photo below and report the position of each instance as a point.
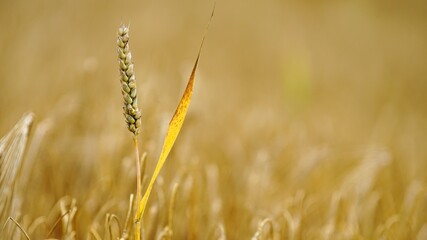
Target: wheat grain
(127, 78)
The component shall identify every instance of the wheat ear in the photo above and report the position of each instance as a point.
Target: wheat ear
(127, 78)
(130, 109)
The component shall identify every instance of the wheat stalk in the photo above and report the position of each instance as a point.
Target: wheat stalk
(130, 109)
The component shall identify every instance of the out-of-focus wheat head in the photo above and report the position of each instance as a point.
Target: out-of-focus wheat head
(127, 78)
(12, 148)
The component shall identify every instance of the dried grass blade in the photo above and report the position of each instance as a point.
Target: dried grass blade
(173, 129)
(18, 225)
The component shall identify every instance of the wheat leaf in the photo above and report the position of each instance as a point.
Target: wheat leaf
(171, 135)
(173, 129)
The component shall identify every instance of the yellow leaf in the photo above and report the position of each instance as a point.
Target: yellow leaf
(171, 135)
(173, 131)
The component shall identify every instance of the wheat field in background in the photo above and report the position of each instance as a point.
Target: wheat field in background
(308, 120)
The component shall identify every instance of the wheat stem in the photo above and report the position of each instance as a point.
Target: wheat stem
(138, 187)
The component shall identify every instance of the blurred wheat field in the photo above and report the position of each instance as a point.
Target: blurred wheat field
(308, 119)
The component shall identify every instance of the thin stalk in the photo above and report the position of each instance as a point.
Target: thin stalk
(17, 224)
(127, 228)
(138, 187)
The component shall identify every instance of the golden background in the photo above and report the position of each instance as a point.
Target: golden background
(312, 114)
